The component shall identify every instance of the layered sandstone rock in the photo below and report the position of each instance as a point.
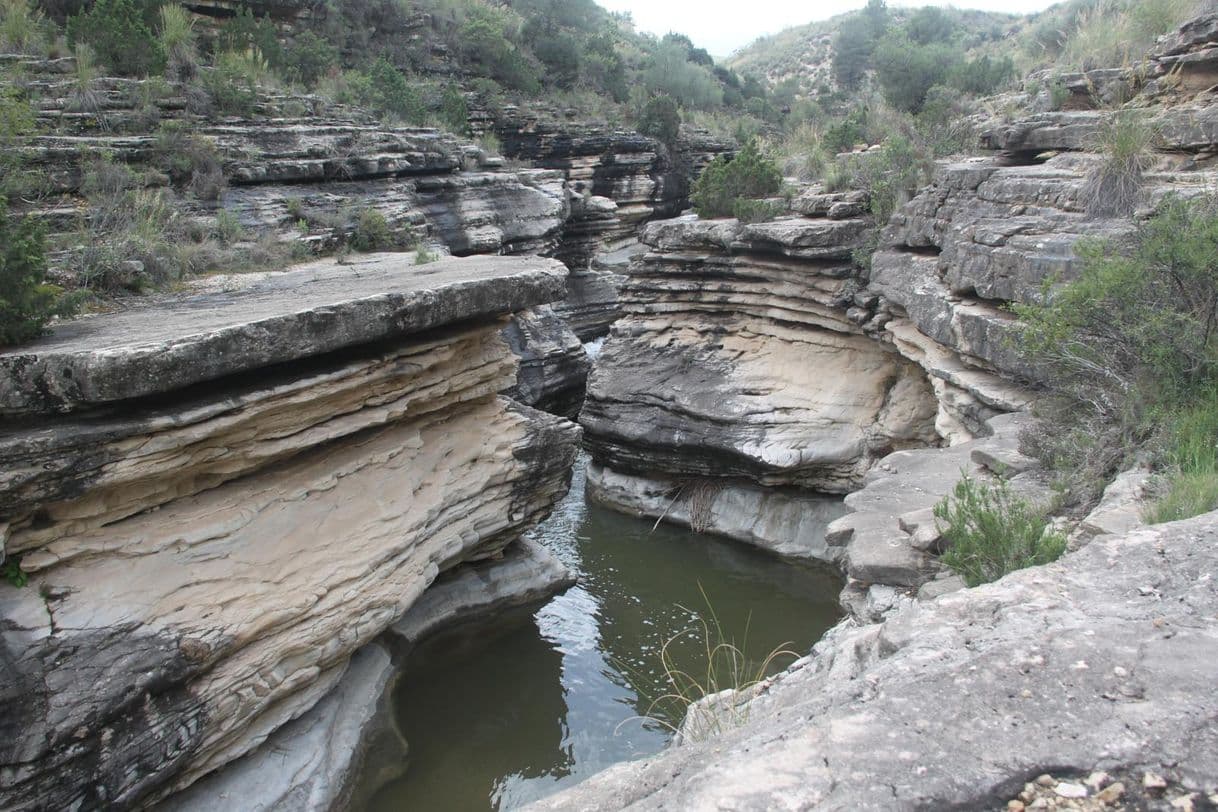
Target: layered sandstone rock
(741, 359)
(248, 486)
(553, 364)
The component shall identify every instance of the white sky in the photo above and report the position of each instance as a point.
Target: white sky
(722, 26)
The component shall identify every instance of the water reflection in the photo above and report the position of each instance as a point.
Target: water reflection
(503, 714)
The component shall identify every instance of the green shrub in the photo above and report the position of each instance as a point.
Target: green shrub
(372, 232)
(454, 110)
(228, 227)
(232, 82)
(385, 89)
(748, 175)
(691, 85)
(560, 54)
(12, 572)
(661, 120)
(177, 39)
(907, 71)
(1129, 354)
(27, 301)
(17, 126)
(309, 58)
(484, 41)
(757, 211)
(22, 28)
(191, 161)
(890, 175)
(120, 34)
(842, 135)
(991, 532)
(245, 32)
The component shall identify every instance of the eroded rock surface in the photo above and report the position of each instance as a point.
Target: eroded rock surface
(739, 359)
(1104, 660)
(287, 474)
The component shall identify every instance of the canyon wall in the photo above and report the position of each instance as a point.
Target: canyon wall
(219, 498)
(1095, 669)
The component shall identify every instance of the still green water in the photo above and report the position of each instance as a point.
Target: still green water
(503, 713)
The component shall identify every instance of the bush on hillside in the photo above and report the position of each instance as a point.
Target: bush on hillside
(232, 81)
(309, 58)
(855, 42)
(27, 301)
(670, 73)
(991, 532)
(748, 176)
(120, 34)
(907, 71)
(661, 120)
(1129, 353)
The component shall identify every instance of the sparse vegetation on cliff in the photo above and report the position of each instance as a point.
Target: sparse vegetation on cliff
(728, 187)
(1129, 352)
(27, 300)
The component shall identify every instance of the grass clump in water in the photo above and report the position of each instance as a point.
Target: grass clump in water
(709, 677)
(992, 532)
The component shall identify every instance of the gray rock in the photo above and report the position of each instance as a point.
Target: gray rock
(526, 574)
(305, 765)
(553, 365)
(957, 702)
(262, 320)
(787, 522)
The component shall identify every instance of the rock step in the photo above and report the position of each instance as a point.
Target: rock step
(248, 322)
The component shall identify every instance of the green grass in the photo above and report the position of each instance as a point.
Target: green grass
(992, 532)
(1189, 486)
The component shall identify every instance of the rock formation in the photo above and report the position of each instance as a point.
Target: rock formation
(743, 363)
(219, 498)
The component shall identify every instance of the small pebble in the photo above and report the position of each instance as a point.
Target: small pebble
(1039, 803)
(1097, 779)
(1120, 672)
(1154, 782)
(1045, 780)
(1111, 793)
(1069, 790)
(1184, 802)
(1015, 806)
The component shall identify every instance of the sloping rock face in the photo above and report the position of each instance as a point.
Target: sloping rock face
(300, 168)
(220, 498)
(742, 358)
(953, 704)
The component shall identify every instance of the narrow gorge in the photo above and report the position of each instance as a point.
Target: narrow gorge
(489, 473)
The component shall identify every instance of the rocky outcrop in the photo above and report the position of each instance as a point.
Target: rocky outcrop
(618, 181)
(1102, 661)
(743, 359)
(299, 169)
(219, 498)
(305, 765)
(553, 364)
(310, 763)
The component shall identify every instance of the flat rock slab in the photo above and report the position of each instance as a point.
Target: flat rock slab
(242, 323)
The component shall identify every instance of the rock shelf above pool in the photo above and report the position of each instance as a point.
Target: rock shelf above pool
(235, 324)
(271, 472)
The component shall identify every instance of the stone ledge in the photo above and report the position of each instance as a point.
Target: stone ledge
(262, 320)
